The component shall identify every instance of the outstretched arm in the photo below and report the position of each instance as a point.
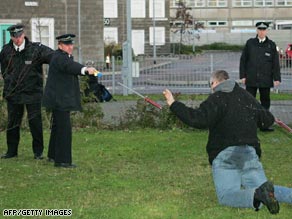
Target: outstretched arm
(201, 117)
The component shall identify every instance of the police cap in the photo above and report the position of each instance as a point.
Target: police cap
(16, 30)
(66, 38)
(262, 25)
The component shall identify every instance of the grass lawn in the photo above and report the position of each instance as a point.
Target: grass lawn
(200, 97)
(133, 175)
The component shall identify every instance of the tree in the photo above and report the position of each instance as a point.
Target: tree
(186, 19)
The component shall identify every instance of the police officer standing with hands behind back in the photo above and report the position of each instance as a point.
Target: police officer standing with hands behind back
(21, 68)
(259, 66)
(62, 95)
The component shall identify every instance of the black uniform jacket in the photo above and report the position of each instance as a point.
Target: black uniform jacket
(22, 71)
(232, 116)
(62, 91)
(259, 63)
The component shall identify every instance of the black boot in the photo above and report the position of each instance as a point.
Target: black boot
(265, 194)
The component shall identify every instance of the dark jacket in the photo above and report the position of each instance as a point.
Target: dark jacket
(22, 71)
(232, 116)
(62, 91)
(259, 63)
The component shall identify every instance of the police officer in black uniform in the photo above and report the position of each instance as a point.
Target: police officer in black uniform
(62, 95)
(21, 68)
(259, 66)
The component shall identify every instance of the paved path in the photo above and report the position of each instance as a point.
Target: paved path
(114, 111)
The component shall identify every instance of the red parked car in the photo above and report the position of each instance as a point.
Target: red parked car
(286, 57)
(289, 51)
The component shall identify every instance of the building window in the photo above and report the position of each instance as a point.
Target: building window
(31, 4)
(42, 30)
(217, 3)
(138, 8)
(159, 36)
(199, 3)
(174, 3)
(242, 23)
(110, 35)
(138, 41)
(110, 8)
(284, 2)
(176, 24)
(242, 3)
(195, 3)
(261, 3)
(217, 23)
(189, 3)
(159, 8)
(283, 25)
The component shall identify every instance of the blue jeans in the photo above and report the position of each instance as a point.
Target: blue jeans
(237, 172)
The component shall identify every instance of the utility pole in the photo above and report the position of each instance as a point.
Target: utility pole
(194, 36)
(127, 53)
(154, 42)
(79, 32)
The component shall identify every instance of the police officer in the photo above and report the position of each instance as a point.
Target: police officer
(21, 68)
(62, 95)
(259, 66)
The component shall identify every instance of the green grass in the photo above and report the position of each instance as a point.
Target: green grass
(141, 174)
(280, 96)
(200, 97)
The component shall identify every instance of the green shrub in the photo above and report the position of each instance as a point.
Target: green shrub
(3, 112)
(114, 50)
(144, 115)
(188, 49)
(221, 46)
(91, 115)
(183, 49)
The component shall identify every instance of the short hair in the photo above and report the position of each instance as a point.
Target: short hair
(220, 75)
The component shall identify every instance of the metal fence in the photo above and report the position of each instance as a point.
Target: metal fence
(181, 73)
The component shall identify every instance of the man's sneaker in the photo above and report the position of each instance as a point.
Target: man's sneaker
(265, 194)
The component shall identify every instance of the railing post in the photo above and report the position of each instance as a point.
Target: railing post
(113, 74)
(211, 63)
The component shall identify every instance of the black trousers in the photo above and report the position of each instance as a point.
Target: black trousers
(34, 116)
(60, 145)
(264, 95)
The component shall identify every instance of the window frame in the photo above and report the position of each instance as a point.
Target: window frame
(217, 3)
(287, 3)
(48, 22)
(242, 3)
(264, 3)
(140, 12)
(217, 23)
(115, 36)
(110, 9)
(158, 31)
(141, 43)
(158, 13)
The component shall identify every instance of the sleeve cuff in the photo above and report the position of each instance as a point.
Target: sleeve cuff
(173, 105)
(83, 71)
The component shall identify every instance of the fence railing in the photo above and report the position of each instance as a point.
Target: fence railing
(181, 73)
